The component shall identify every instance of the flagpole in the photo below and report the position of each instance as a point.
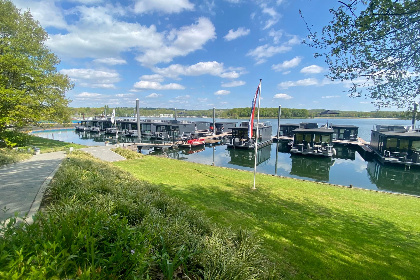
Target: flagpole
(257, 135)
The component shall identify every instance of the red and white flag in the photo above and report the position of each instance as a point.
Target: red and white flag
(251, 119)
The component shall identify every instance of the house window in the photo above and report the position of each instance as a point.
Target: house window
(391, 143)
(415, 146)
(404, 144)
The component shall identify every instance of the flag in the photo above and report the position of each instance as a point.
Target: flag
(251, 119)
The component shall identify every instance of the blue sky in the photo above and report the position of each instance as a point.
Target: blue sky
(191, 54)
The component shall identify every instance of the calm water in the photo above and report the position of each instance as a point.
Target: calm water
(347, 168)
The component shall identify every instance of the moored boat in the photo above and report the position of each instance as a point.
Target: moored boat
(313, 142)
(396, 145)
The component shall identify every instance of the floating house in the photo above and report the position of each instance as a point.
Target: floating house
(241, 140)
(396, 145)
(345, 133)
(313, 141)
(222, 127)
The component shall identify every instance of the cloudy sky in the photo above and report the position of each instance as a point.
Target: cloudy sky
(191, 54)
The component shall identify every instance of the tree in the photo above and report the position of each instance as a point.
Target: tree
(374, 44)
(31, 89)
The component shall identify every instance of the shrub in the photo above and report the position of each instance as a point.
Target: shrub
(102, 223)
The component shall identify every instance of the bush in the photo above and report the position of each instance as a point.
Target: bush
(128, 154)
(102, 223)
(8, 155)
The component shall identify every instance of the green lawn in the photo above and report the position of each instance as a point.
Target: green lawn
(24, 149)
(50, 145)
(310, 230)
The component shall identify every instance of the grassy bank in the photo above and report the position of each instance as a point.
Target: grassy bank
(99, 222)
(25, 144)
(309, 230)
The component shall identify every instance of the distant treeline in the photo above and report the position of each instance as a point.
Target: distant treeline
(237, 113)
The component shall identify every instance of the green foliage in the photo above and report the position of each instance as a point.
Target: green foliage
(31, 89)
(374, 44)
(309, 230)
(241, 113)
(128, 154)
(8, 156)
(101, 223)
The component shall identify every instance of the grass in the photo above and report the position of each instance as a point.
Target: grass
(309, 230)
(25, 144)
(50, 145)
(99, 222)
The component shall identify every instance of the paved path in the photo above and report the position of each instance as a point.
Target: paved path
(23, 184)
(104, 153)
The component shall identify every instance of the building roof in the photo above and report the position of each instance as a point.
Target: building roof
(314, 130)
(409, 134)
(343, 126)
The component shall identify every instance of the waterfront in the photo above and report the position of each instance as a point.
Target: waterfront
(346, 168)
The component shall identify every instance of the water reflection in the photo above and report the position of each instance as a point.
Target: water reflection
(394, 179)
(344, 152)
(312, 167)
(246, 158)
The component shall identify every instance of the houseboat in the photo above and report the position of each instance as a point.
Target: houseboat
(240, 140)
(344, 134)
(313, 141)
(396, 145)
(286, 132)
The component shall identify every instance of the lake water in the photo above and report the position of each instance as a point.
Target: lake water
(346, 168)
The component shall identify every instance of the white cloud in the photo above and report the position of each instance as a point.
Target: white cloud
(164, 6)
(88, 95)
(287, 64)
(124, 95)
(213, 68)
(97, 33)
(304, 82)
(93, 78)
(141, 85)
(233, 84)
(240, 32)
(110, 61)
(180, 43)
(276, 35)
(331, 96)
(153, 78)
(282, 96)
(222, 92)
(261, 53)
(46, 12)
(153, 95)
(274, 17)
(312, 69)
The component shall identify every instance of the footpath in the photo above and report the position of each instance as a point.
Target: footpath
(23, 184)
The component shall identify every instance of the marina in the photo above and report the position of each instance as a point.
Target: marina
(349, 166)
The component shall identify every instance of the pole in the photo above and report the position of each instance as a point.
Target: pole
(257, 135)
(138, 119)
(278, 141)
(175, 113)
(413, 122)
(278, 124)
(214, 122)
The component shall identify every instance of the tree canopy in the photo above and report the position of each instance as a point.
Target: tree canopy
(374, 45)
(31, 88)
